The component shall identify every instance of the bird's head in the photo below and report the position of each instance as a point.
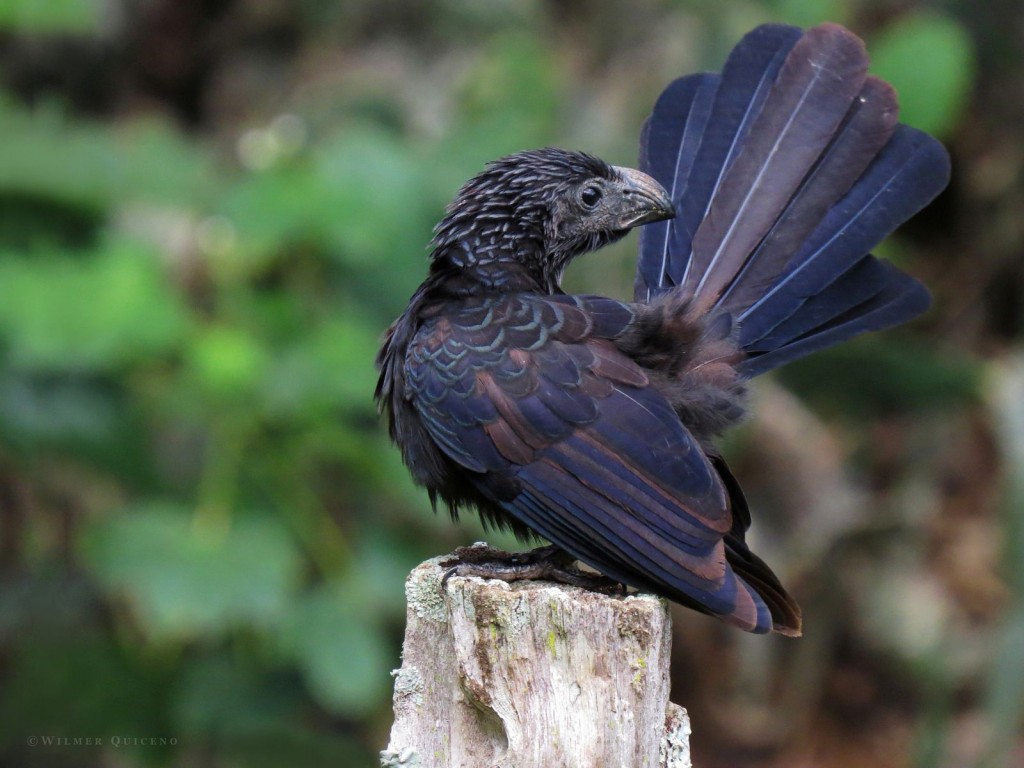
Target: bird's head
(542, 208)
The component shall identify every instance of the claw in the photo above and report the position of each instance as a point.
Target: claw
(545, 563)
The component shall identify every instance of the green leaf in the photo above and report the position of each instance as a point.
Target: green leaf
(879, 375)
(374, 188)
(331, 369)
(97, 311)
(221, 693)
(930, 61)
(255, 715)
(50, 16)
(375, 584)
(354, 196)
(47, 154)
(227, 361)
(60, 411)
(182, 580)
(341, 650)
(510, 101)
(808, 13)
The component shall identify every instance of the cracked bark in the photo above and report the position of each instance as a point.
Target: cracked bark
(533, 675)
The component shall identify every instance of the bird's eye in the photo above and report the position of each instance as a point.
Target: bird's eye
(590, 196)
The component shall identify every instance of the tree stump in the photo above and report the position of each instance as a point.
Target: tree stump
(533, 675)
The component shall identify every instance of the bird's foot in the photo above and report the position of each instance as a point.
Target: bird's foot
(544, 563)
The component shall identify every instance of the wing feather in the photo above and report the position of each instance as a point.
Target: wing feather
(599, 461)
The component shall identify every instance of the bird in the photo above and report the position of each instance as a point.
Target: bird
(591, 422)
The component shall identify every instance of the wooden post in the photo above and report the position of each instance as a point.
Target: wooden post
(533, 675)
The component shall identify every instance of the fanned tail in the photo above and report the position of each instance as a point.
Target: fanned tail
(786, 170)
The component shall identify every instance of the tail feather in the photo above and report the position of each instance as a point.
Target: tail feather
(759, 580)
(860, 283)
(717, 124)
(786, 171)
(866, 128)
(904, 177)
(668, 147)
(818, 83)
(898, 298)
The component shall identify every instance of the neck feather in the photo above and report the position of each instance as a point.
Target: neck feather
(495, 247)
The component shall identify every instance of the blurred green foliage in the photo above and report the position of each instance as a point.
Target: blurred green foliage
(50, 15)
(204, 529)
(190, 338)
(929, 60)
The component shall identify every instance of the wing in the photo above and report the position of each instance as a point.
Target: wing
(564, 433)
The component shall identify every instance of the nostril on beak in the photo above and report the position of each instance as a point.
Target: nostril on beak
(645, 199)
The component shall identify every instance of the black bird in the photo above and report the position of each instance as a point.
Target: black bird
(591, 422)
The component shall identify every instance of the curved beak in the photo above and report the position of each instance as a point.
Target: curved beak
(643, 199)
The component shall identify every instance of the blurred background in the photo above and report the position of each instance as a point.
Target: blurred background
(210, 210)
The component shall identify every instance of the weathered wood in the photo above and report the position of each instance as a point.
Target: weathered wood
(533, 675)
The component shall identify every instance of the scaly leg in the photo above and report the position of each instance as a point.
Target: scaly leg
(550, 563)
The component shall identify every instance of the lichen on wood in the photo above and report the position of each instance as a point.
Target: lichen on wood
(532, 675)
